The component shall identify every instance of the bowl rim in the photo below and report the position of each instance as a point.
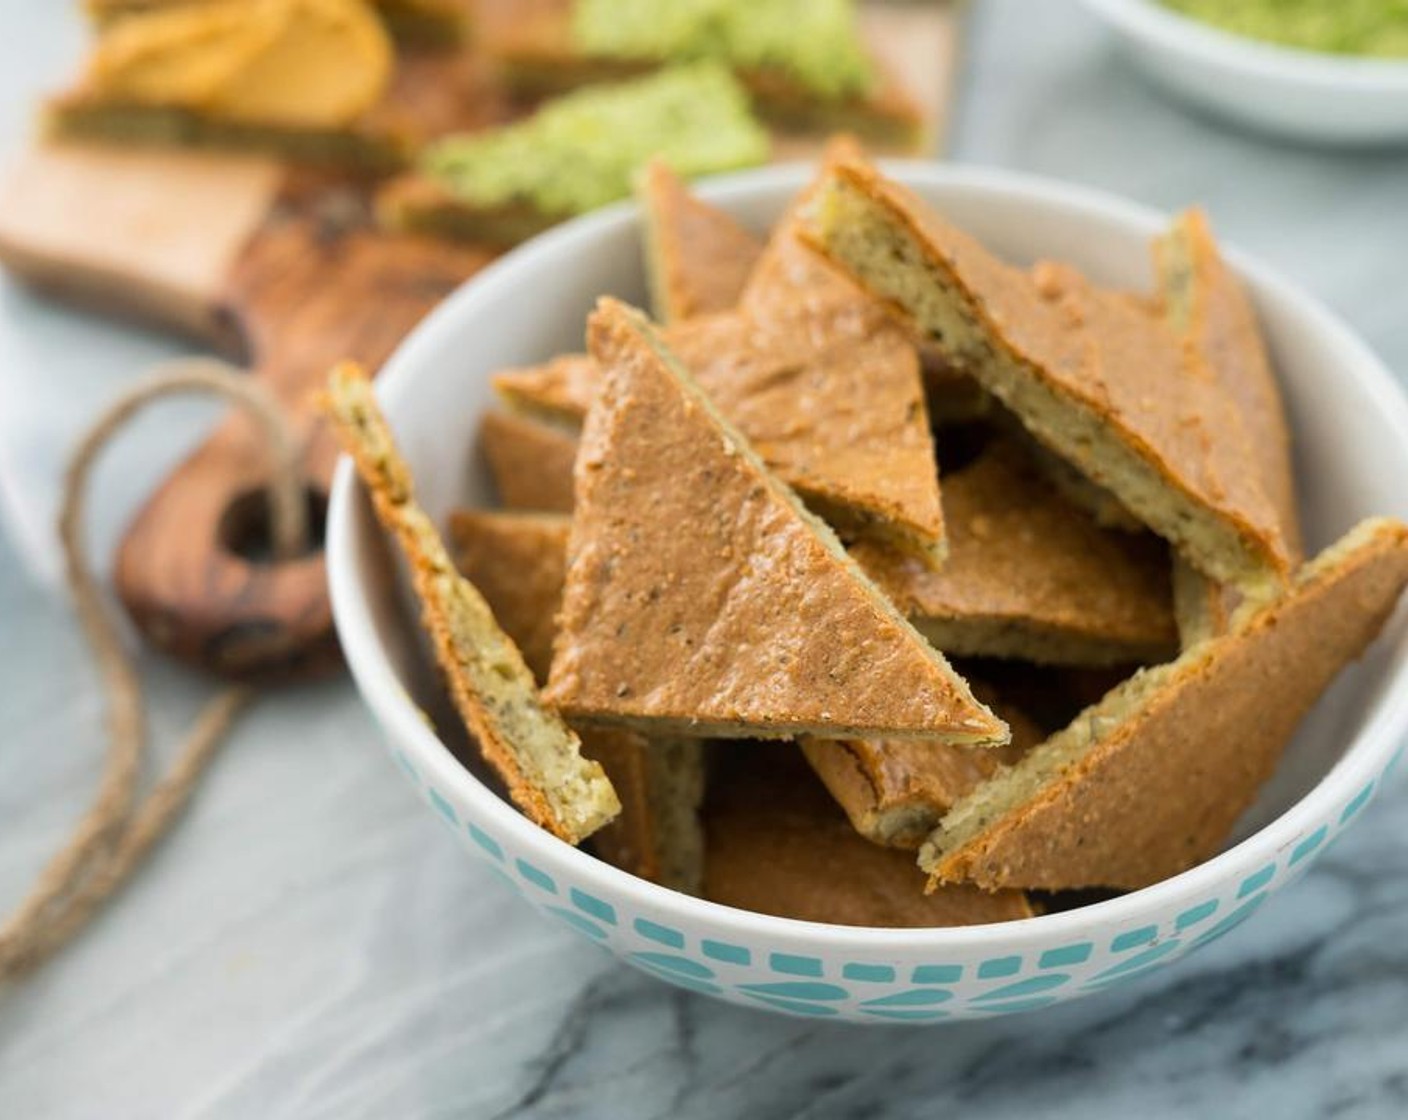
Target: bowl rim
(404, 724)
(1192, 38)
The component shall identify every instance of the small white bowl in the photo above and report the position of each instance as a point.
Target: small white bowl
(1304, 95)
(1351, 425)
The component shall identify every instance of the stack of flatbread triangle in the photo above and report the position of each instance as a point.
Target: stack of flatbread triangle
(982, 567)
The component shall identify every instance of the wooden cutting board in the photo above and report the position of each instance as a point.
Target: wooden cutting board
(284, 276)
(284, 273)
(287, 275)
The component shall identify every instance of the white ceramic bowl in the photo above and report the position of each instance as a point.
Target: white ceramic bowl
(1299, 94)
(1352, 443)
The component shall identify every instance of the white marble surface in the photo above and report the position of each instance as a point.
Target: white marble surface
(311, 944)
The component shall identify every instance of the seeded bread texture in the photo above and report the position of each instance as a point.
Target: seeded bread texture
(1202, 606)
(1150, 780)
(1092, 375)
(518, 561)
(697, 257)
(895, 792)
(830, 394)
(1206, 305)
(526, 742)
(702, 598)
(1031, 577)
(1103, 507)
(529, 460)
(659, 835)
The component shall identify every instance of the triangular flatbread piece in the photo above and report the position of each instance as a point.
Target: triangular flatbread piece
(776, 844)
(895, 791)
(659, 835)
(831, 398)
(697, 257)
(838, 378)
(560, 390)
(703, 597)
(519, 561)
(526, 742)
(1094, 375)
(1029, 576)
(830, 395)
(530, 461)
(790, 273)
(1207, 307)
(1151, 779)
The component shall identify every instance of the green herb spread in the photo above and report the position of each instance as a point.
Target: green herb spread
(813, 42)
(1374, 28)
(582, 151)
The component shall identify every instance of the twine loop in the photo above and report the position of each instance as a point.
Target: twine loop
(117, 832)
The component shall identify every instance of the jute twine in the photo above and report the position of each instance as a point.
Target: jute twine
(117, 832)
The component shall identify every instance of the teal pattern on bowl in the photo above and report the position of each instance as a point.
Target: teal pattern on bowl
(875, 989)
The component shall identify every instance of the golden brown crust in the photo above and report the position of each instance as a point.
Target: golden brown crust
(790, 273)
(561, 389)
(830, 396)
(530, 461)
(1092, 374)
(1029, 576)
(700, 594)
(518, 561)
(1211, 310)
(1150, 781)
(697, 257)
(1207, 306)
(794, 294)
(827, 391)
(492, 687)
(776, 844)
(1202, 607)
(895, 792)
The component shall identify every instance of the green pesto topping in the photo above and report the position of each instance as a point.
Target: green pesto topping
(583, 150)
(1373, 28)
(813, 42)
